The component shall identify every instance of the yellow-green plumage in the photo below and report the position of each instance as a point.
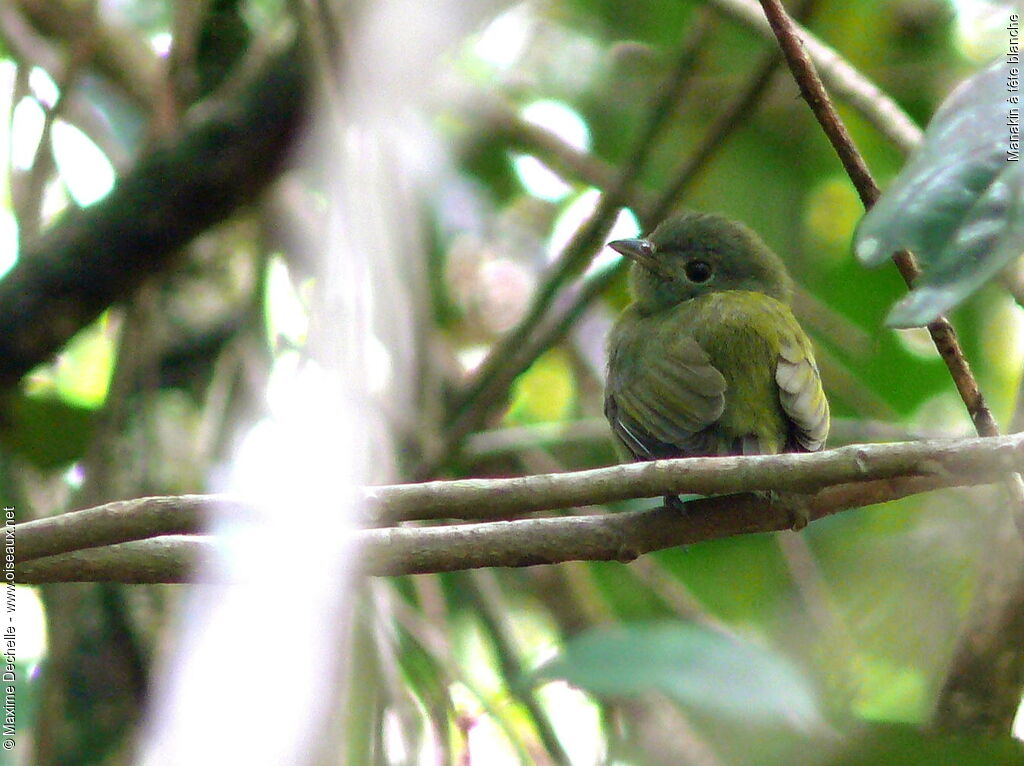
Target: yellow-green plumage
(715, 365)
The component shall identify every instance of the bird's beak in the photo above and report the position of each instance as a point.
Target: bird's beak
(641, 251)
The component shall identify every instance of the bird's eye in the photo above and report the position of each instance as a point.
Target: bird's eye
(698, 271)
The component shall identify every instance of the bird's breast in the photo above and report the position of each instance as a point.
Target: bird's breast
(741, 332)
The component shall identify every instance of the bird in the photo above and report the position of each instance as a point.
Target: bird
(708, 359)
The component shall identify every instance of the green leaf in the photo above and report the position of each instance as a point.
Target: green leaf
(47, 431)
(959, 203)
(697, 667)
(907, 745)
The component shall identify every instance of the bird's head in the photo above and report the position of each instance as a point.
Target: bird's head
(693, 254)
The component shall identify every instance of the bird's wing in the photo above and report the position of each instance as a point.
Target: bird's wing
(801, 394)
(659, 408)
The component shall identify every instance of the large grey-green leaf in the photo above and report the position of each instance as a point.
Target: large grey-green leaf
(697, 667)
(959, 202)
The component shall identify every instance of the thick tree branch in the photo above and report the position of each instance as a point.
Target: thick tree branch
(524, 542)
(101, 254)
(947, 462)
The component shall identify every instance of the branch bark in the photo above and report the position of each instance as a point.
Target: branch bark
(983, 687)
(813, 90)
(519, 543)
(846, 81)
(832, 480)
(98, 255)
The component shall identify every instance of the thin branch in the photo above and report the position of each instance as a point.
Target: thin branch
(482, 393)
(434, 640)
(122, 55)
(963, 702)
(497, 117)
(813, 91)
(493, 611)
(573, 164)
(80, 51)
(736, 112)
(31, 49)
(516, 357)
(843, 79)
(676, 595)
(844, 384)
(953, 461)
(525, 542)
(511, 440)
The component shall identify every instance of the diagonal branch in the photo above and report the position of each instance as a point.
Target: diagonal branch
(98, 255)
(849, 84)
(478, 399)
(983, 687)
(942, 332)
(122, 55)
(537, 333)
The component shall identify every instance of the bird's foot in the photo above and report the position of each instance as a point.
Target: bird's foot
(675, 503)
(793, 503)
(799, 515)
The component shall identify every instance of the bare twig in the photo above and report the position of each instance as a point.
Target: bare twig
(845, 385)
(31, 49)
(493, 612)
(499, 117)
(525, 542)
(736, 112)
(844, 80)
(951, 462)
(942, 332)
(434, 639)
(521, 348)
(963, 702)
(80, 50)
(483, 392)
(122, 55)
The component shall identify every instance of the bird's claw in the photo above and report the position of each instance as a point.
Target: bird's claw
(793, 503)
(673, 502)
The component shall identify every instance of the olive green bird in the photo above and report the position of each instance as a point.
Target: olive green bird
(708, 359)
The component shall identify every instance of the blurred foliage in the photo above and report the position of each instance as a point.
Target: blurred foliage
(844, 632)
(957, 205)
(701, 669)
